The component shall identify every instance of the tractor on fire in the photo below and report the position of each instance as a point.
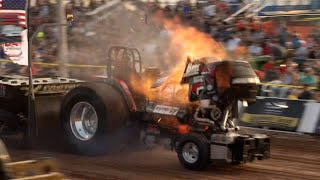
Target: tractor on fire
(97, 115)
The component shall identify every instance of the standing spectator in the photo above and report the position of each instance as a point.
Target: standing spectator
(283, 35)
(234, 5)
(209, 11)
(315, 34)
(301, 54)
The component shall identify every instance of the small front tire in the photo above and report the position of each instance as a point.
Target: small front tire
(194, 152)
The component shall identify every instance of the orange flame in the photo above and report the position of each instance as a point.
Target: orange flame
(183, 129)
(184, 42)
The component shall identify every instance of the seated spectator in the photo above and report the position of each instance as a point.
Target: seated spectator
(277, 51)
(233, 44)
(268, 27)
(293, 94)
(309, 78)
(258, 36)
(266, 48)
(316, 96)
(306, 94)
(288, 71)
(317, 68)
(269, 65)
(255, 50)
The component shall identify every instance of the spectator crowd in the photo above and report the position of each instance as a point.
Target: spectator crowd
(46, 46)
(280, 56)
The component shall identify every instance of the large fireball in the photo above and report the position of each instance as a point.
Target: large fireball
(184, 41)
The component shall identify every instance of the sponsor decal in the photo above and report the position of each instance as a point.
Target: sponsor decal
(160, 109)
(273, 120)
(12, 49)
(50, 88)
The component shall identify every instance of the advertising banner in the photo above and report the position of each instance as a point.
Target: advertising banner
(273, 113)
(18, 51)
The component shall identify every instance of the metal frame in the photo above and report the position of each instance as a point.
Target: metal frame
(133, 51)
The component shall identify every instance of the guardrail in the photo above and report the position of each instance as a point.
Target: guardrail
(67, 64)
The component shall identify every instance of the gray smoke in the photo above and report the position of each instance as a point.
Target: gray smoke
(123, 25)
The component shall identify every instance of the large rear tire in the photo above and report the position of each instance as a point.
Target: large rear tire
(92, 116)
(194, 152)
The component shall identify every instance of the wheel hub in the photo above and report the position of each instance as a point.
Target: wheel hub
(190, 152)
(83, 121)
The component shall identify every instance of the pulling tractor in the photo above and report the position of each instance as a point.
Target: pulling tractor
(96, 115)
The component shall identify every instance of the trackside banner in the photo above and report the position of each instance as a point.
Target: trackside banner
(273, 113)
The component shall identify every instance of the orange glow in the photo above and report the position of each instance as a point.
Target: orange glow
(169, 121)
(184, 42)
(183, 129)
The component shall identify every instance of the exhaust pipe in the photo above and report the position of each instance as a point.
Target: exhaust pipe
(225, 119)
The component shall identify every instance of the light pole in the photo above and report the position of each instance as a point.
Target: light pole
(32, 130)
(63, 42)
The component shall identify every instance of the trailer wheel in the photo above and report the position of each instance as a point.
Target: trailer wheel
(194, 152)
(92, 116)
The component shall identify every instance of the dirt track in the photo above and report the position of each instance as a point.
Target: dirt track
(293, 157)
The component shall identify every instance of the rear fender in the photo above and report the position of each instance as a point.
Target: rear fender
(122, 87)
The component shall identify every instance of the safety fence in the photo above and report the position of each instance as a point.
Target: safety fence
(301, 116)
(57, 64)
